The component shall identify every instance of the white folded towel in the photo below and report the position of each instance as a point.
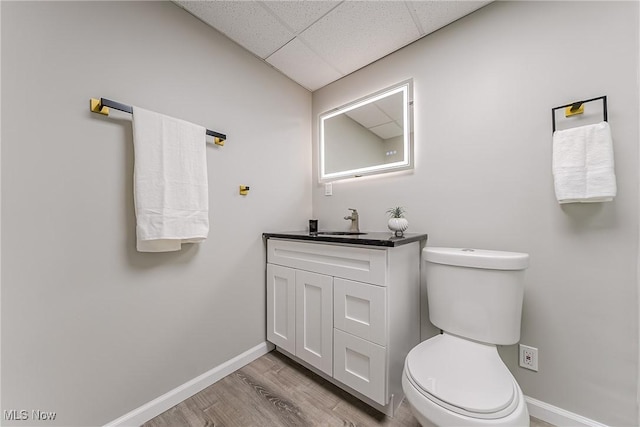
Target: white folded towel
(170, 182)
(583, 167)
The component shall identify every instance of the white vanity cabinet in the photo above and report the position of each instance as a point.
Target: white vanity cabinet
(349, 312)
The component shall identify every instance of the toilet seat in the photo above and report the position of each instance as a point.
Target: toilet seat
(464, 376)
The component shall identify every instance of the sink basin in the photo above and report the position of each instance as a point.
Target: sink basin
(340, 233)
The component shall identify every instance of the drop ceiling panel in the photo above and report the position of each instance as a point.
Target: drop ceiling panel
(368, 115)
(357, 33)
(433, 15)
(246, 22)
(392, 106)
(388, 130)
(335, 38)
(298, 15)
(298, 63)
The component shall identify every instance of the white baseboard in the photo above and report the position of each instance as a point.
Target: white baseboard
(168, 400)
(538, 409)
(558, 416)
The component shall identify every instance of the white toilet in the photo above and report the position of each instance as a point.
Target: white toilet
(457, 378)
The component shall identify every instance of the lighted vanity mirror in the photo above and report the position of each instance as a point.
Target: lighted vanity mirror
(369, 136)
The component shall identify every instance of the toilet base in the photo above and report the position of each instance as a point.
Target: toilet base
(429, 414)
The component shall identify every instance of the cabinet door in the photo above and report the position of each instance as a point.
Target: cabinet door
(361, 365)
(281, 307)
(314, 315)
(361, 310)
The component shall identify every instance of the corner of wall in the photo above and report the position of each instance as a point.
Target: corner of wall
(0, 190)
(638, 246)
(638, 266)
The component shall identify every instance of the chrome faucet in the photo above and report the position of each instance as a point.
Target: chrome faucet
(355, 226)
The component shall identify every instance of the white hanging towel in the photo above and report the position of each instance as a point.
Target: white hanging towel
(170, 182)
(583, 168)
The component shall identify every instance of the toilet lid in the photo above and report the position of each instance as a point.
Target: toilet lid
(466, 375)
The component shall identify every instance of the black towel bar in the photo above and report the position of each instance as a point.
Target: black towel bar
(104, 102)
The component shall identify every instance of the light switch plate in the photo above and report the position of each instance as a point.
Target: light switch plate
(328, 189)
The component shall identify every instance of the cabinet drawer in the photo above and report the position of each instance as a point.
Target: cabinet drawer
(361, 264)
(360, 309)
(361, 365)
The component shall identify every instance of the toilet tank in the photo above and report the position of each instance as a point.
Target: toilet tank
(476, 293)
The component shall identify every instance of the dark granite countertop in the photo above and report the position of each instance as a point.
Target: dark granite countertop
(386, 239)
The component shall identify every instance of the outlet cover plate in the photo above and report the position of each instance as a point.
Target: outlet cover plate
(528, 357)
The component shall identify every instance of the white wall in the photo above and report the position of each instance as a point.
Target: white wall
(91, 328)
(483, 91)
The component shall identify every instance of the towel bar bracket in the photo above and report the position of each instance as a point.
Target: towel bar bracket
(96, 107)
(578, 108)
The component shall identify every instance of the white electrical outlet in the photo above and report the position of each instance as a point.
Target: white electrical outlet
(529, 357)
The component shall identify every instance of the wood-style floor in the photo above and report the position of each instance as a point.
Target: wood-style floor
(275, 391)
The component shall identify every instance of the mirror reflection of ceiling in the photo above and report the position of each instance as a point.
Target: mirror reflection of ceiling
(383, 117)
(317, 42)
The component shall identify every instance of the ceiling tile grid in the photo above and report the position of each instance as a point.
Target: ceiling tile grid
(392, 107)
(359, 32)
(387, 130)
(317, 42)
(299, 15)
(433, 15)
(245, 22)
(380, 117)
(302, 65)
(369, 115)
